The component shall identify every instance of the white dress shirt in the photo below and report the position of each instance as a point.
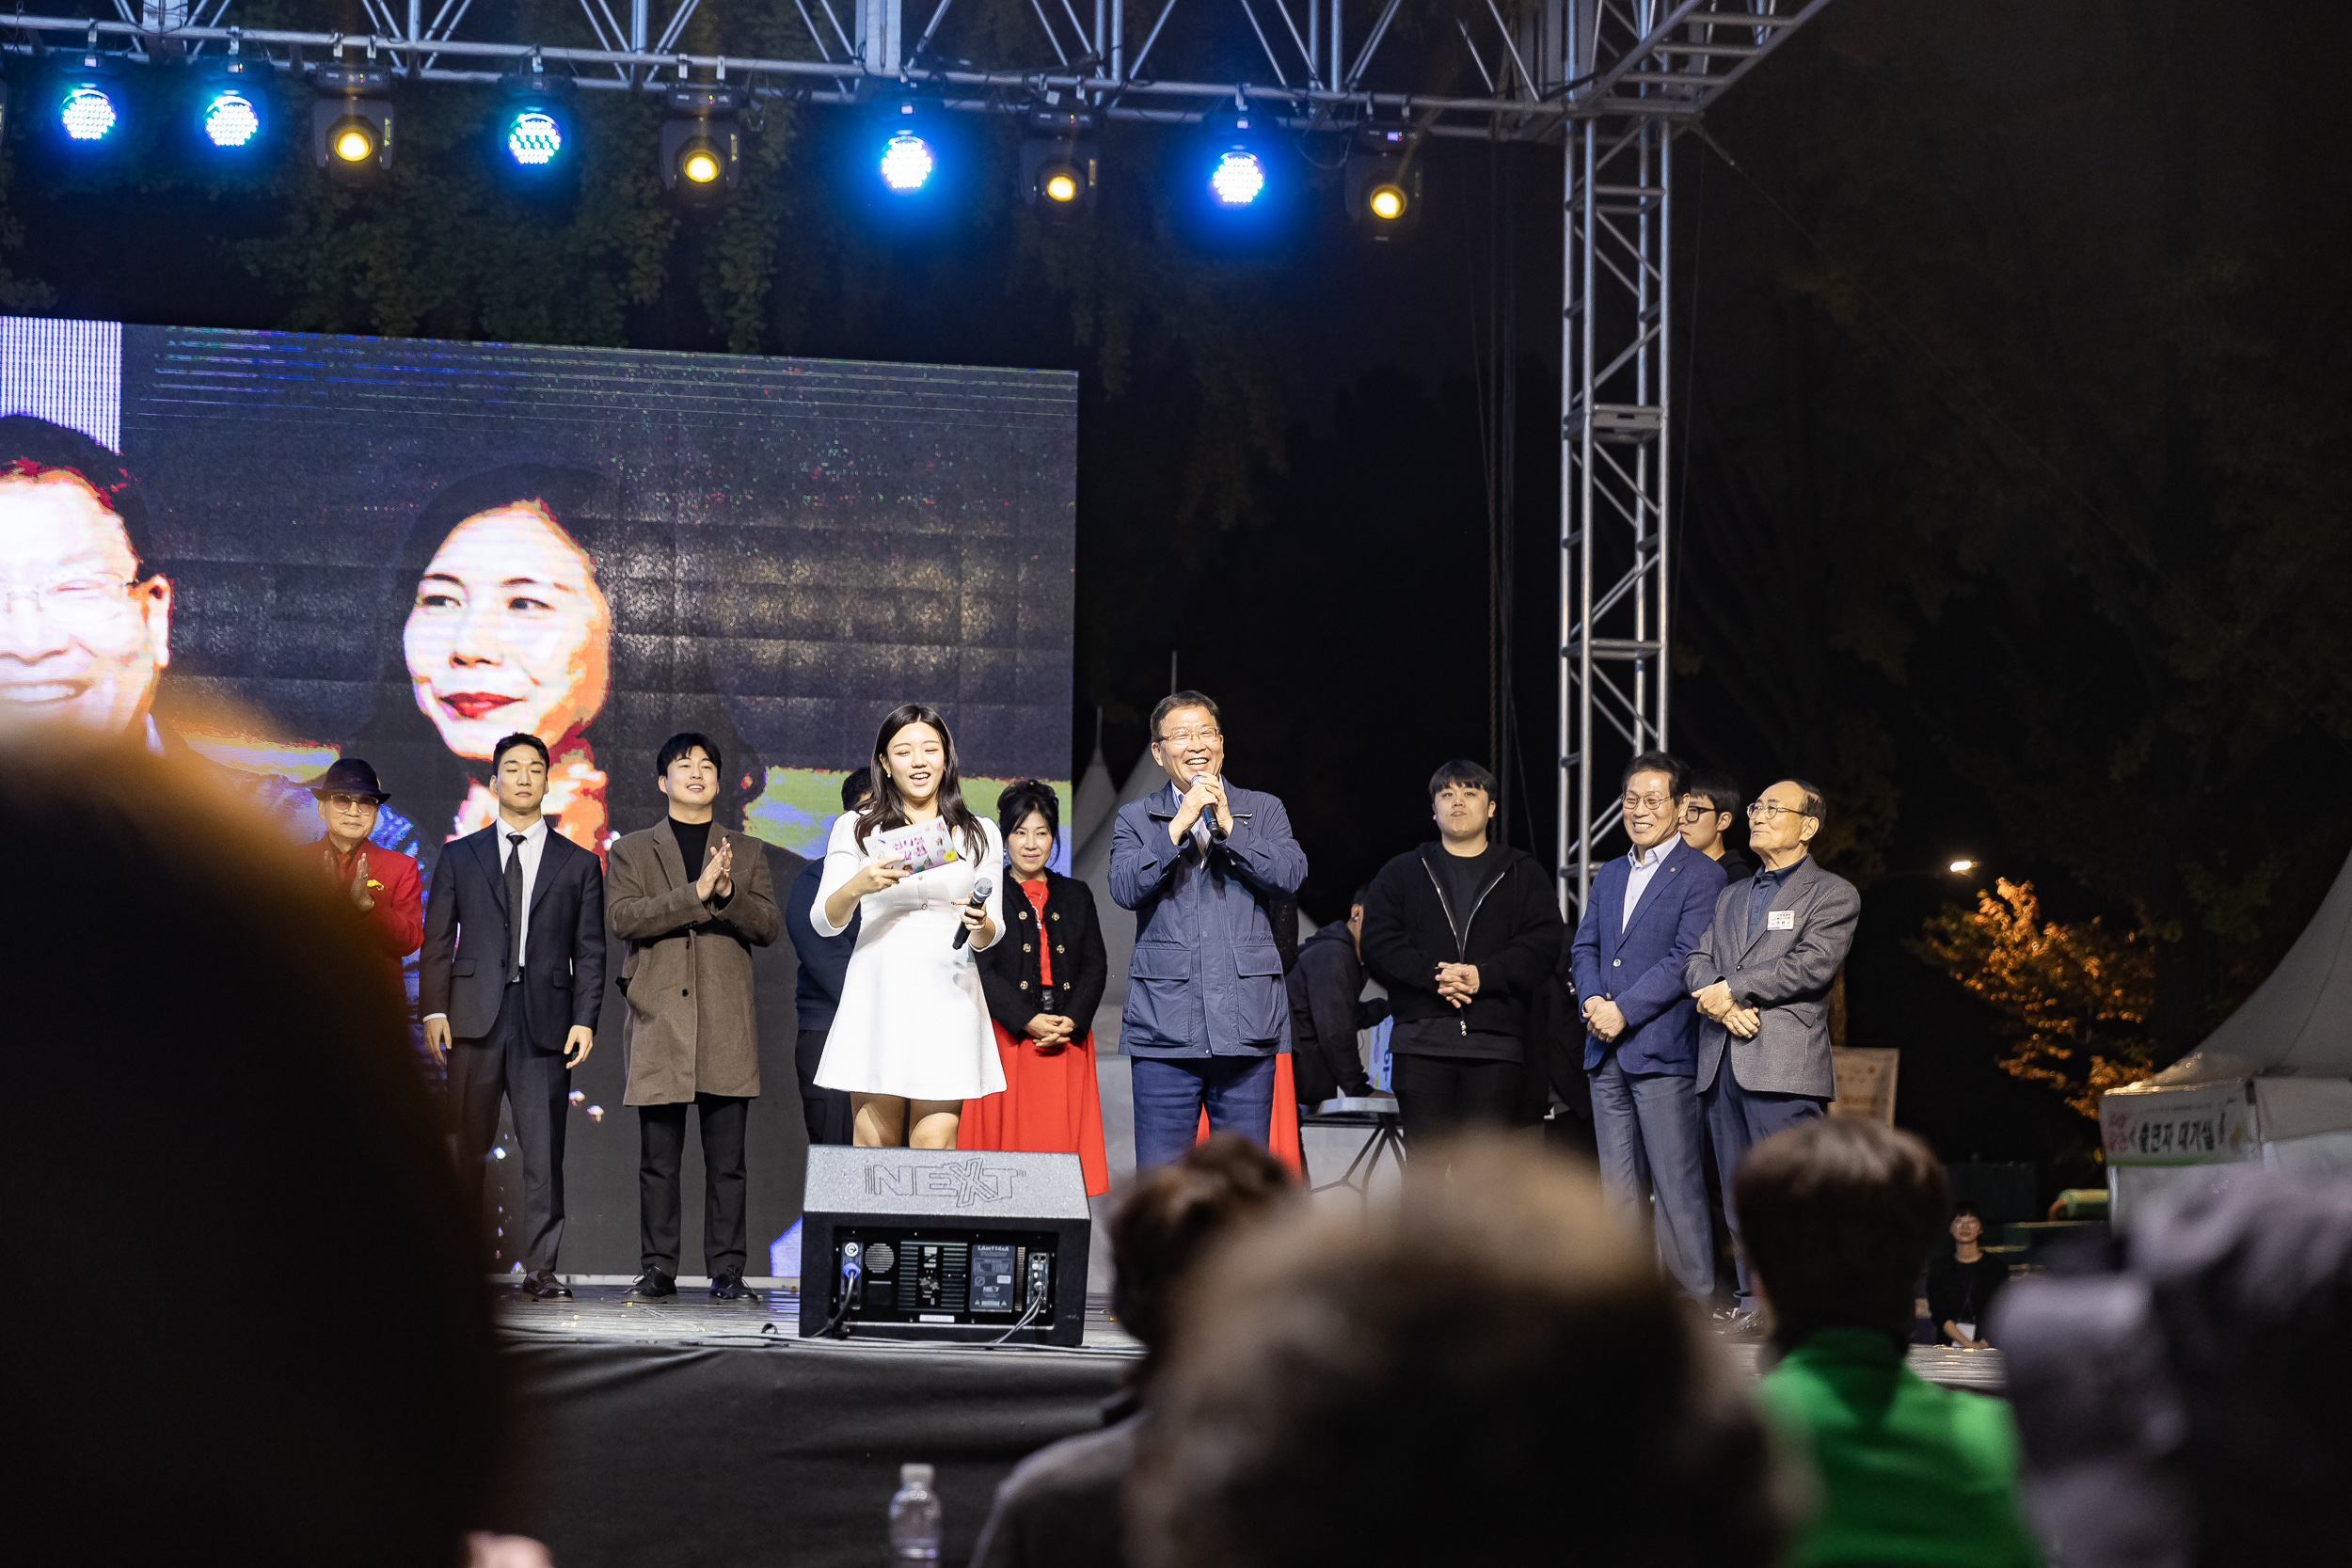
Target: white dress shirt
(531, 849)
(1643, 869)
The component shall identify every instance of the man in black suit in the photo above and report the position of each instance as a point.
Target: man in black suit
(510, 983)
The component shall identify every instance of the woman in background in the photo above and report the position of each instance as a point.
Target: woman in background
(911, 1040)
(1043, 982)
(1964, 1283)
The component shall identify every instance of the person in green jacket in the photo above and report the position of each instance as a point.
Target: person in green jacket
(1837, 1215)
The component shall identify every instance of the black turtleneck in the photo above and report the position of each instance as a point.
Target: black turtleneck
(694, 842)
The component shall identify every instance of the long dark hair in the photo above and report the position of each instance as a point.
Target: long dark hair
(660, 680)
(885, 809)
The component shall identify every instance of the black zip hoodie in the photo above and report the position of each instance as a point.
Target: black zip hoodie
(1512, 932)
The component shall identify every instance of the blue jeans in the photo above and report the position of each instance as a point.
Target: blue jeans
(1169, 1092)
(1648, 1127)
(1737, 1120)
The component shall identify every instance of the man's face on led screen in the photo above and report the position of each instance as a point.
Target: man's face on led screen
(510, 632)
(83, 637)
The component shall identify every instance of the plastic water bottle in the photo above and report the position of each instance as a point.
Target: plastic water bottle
(914, 1516)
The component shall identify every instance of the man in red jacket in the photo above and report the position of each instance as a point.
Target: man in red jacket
(386, 891)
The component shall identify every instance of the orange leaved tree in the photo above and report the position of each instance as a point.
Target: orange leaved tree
(2073, 1001)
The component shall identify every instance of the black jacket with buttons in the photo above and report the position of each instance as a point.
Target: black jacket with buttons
(1009, 967)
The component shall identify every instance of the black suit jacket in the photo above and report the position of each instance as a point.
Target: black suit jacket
(1009, 969)
(462, 969)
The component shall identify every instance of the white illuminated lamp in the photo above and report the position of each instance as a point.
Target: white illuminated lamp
(907, 160)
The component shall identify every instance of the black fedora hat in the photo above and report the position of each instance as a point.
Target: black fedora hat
(349, 776)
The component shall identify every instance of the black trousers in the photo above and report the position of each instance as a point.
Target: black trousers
(661, 1150)
(825, 1112)
(1438, 1095)
(534, 1083)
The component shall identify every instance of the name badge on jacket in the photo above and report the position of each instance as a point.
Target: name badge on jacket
(1780, 920)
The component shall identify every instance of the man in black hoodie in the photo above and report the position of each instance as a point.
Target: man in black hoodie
(1462, 932)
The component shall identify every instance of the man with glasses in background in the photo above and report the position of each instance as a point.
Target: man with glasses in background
(1710, 802)
(1761, 978)
(1199, 860)
(387, 894)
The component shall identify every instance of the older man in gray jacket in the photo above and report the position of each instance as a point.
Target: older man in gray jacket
(1761, 977)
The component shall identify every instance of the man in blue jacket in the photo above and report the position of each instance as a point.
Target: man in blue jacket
(1207, 1011)
(1645, 912)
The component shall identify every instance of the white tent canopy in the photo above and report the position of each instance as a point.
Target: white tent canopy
(2273, 1083)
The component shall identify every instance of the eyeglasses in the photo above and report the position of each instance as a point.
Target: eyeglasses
(1185, 738)
(82, 599)
(350, 802)
(1651, 804)
(1697, 814)
(1771, 811)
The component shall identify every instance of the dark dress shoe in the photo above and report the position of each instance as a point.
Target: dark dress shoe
(652, 1286)
(730, 1286)
(544, 1286)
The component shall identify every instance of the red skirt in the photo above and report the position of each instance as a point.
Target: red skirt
(1050, 1106)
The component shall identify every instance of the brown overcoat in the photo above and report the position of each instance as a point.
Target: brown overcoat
(691, 1023)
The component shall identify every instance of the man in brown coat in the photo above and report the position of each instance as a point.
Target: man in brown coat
(691, 1035)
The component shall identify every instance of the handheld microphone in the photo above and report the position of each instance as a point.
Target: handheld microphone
(981, 888)
(1214, 822)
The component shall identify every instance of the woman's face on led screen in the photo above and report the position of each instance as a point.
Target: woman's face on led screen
(510, 632)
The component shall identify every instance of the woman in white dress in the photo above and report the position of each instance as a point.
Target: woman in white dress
(911, 1041)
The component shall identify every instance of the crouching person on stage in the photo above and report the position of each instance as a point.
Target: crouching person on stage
(1761, 978)
(1207, 1010)
(1043, 982)
(384, 887)
(511, 981)
(692, 899)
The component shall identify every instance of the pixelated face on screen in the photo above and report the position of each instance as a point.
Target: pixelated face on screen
(510, 632)
(84, 633)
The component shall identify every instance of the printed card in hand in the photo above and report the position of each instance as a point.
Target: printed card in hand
(919, 845)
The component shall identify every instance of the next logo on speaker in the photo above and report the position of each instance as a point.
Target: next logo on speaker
(969, 1182)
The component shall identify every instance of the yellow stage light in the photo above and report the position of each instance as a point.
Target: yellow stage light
(354, 144)
(701, 166)
(1061, 187)
(1387, 203)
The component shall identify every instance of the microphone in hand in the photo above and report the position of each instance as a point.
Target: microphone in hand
(981, 888)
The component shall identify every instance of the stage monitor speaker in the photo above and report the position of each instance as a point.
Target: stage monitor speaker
(936, 1244)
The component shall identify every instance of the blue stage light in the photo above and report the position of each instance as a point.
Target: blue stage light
(534, 137)
(907, 163)
(1238, 178)
(230, 121)
(87, 114)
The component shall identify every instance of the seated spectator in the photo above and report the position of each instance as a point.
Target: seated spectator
(1835, 1215)
(2188, 1411)
(1492, 1370)
(217, 1134)
(1964, 1283)
(1061, 1504)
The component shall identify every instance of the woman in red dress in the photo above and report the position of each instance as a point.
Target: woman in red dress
(1043, 979)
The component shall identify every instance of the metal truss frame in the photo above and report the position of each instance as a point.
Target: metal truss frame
(1611, 80)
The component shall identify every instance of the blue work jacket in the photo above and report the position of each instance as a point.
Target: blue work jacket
(1206, 978)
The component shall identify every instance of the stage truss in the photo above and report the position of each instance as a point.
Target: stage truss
(1609, 80)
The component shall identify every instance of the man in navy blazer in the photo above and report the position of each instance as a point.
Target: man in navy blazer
(1645, 913)
(511, 1003)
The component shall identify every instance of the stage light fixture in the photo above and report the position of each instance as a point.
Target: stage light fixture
(232, 105)
(87, 107)
(531, 133)
(351, 124)
(1383, 179)
(1059, 160)
(1239, 165)
(701, 141)
(909, 149)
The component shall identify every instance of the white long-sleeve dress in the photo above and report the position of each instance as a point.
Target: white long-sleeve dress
(912, 1020)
